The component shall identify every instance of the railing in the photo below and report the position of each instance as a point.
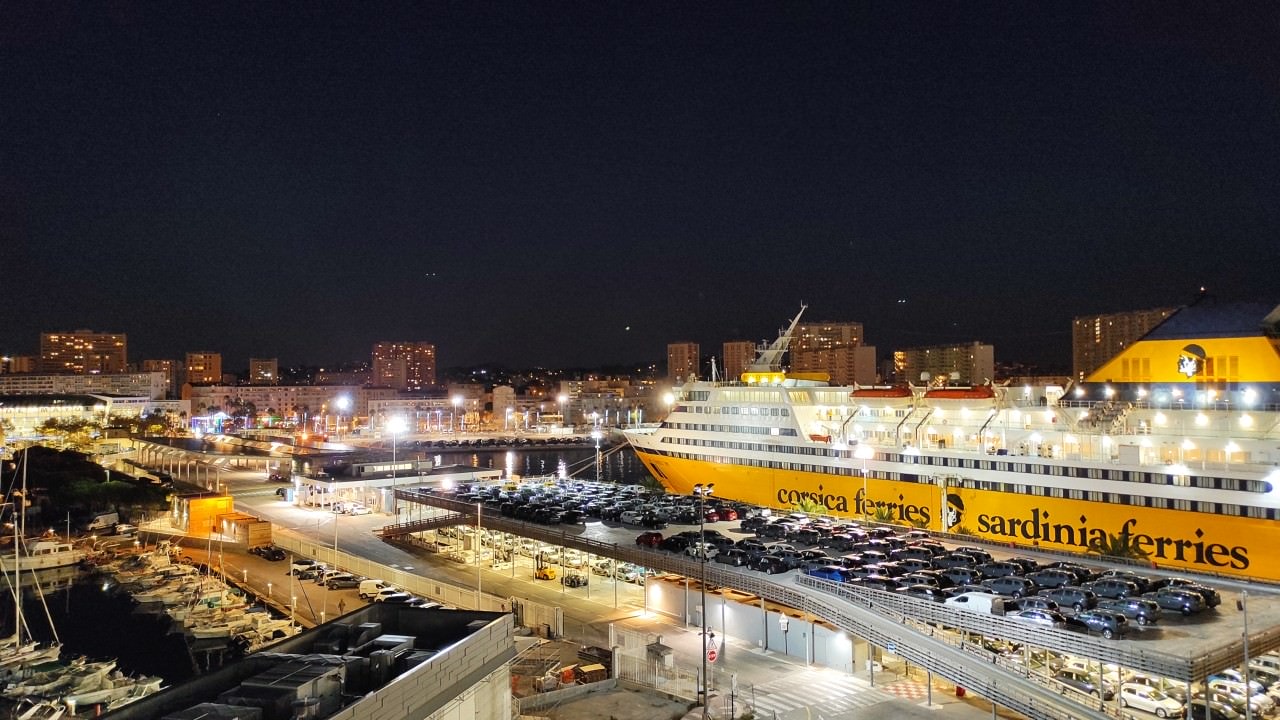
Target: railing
(893, 606)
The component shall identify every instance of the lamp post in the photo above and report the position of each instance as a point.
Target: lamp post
(395, 426)
(457, 400)
(864, 453)
(702, 491)
(343, 403)
(562, 400)
(595, 435)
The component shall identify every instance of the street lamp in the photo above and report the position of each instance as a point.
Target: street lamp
(702, 491)
(562, 399)
(343, 403)
(595, 435)
(395, 426)
(864, 452)
(457, 401)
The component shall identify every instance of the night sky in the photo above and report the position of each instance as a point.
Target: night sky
(579, 184)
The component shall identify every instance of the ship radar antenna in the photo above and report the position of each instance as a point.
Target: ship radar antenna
(769, 357)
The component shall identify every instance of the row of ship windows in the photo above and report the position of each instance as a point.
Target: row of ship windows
(746, 429)
(717, 410)
(1135, 476)
(1018, 488)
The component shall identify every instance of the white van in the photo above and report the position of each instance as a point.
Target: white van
(103, 521)
(370, 588)
(1267, 662)
(987, 603)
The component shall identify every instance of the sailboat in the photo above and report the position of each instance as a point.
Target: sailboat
(19, 652)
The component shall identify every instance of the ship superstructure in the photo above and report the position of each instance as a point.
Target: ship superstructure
(1173, 446)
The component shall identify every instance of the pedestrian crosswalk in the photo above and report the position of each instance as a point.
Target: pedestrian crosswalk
(821, 695)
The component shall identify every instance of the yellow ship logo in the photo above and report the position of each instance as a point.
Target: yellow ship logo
(1190, 360)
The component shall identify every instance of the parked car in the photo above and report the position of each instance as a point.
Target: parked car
(924, 592)
(1140, 610)
(770, 564)
(1202, 709)
(1035, 601)
(649, 539)
(343, 580)
(268, 552)
(302, 564)
(1112, 587)
(1011, 585)
(1038, 616)
(1183, 601)
(1052, 577)
(1084, 682)
(1107, 624)
(998, 569)
(1071, 596)
(734, 556)
(834, 573)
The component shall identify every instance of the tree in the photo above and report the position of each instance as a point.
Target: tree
(1118, 546)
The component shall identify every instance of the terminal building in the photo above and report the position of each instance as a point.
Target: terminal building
(381, 661)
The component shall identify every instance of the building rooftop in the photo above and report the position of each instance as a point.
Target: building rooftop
(1207, 319)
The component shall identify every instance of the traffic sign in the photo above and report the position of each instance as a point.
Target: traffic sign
(713, 650)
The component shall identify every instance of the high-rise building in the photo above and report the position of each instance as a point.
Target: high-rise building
(972, 363)
(844, 365)
(170, 369)
(404, 365)
(204, 367)
(1095, 339)
(738, 354)
(264, 371)
(682, 361)
(825, 336)
(833, 348)
(83, 352)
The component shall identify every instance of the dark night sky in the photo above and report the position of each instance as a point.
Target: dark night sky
(520, 183)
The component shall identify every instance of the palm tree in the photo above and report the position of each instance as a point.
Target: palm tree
(1119, 546)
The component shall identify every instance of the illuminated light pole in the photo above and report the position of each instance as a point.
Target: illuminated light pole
(595, 435)
(395, 426)
(864, 453)
(702, 491)
(343, 403)
(562, 400)
(457, 401)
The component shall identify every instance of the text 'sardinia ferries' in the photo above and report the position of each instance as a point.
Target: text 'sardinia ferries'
(1172, 447)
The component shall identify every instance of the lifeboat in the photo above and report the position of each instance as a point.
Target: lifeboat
(984, 392)
(884, 391)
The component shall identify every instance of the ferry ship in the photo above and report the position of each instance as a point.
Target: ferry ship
(1171, 449)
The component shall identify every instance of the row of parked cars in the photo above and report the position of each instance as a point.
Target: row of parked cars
(1224, 696)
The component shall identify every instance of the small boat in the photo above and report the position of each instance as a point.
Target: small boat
(42, 555)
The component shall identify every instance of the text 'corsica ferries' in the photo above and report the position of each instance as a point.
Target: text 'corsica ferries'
(1171, 448)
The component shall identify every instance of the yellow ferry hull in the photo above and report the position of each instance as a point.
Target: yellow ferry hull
(1234, 546)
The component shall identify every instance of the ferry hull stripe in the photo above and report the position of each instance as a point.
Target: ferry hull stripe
(1170, 538)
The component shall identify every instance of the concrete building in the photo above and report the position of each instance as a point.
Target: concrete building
(83, 351)
(834, 348)
(22, 414)
(264, 371)
(296, 403)
(172, 371)
(204, 367)
(384, 660)
(809, 337)
(973, 363)
(737, 355)
(409, 366)
(844, 365)
(1095, 339)
(683, 361)
(145, 384)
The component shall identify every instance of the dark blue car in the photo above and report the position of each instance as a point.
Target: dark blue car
(831, 572)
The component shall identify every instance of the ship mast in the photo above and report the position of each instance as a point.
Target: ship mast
(769, 357)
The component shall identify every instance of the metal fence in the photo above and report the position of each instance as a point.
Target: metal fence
(1129, 655)
(542, 619)
(673, 680)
